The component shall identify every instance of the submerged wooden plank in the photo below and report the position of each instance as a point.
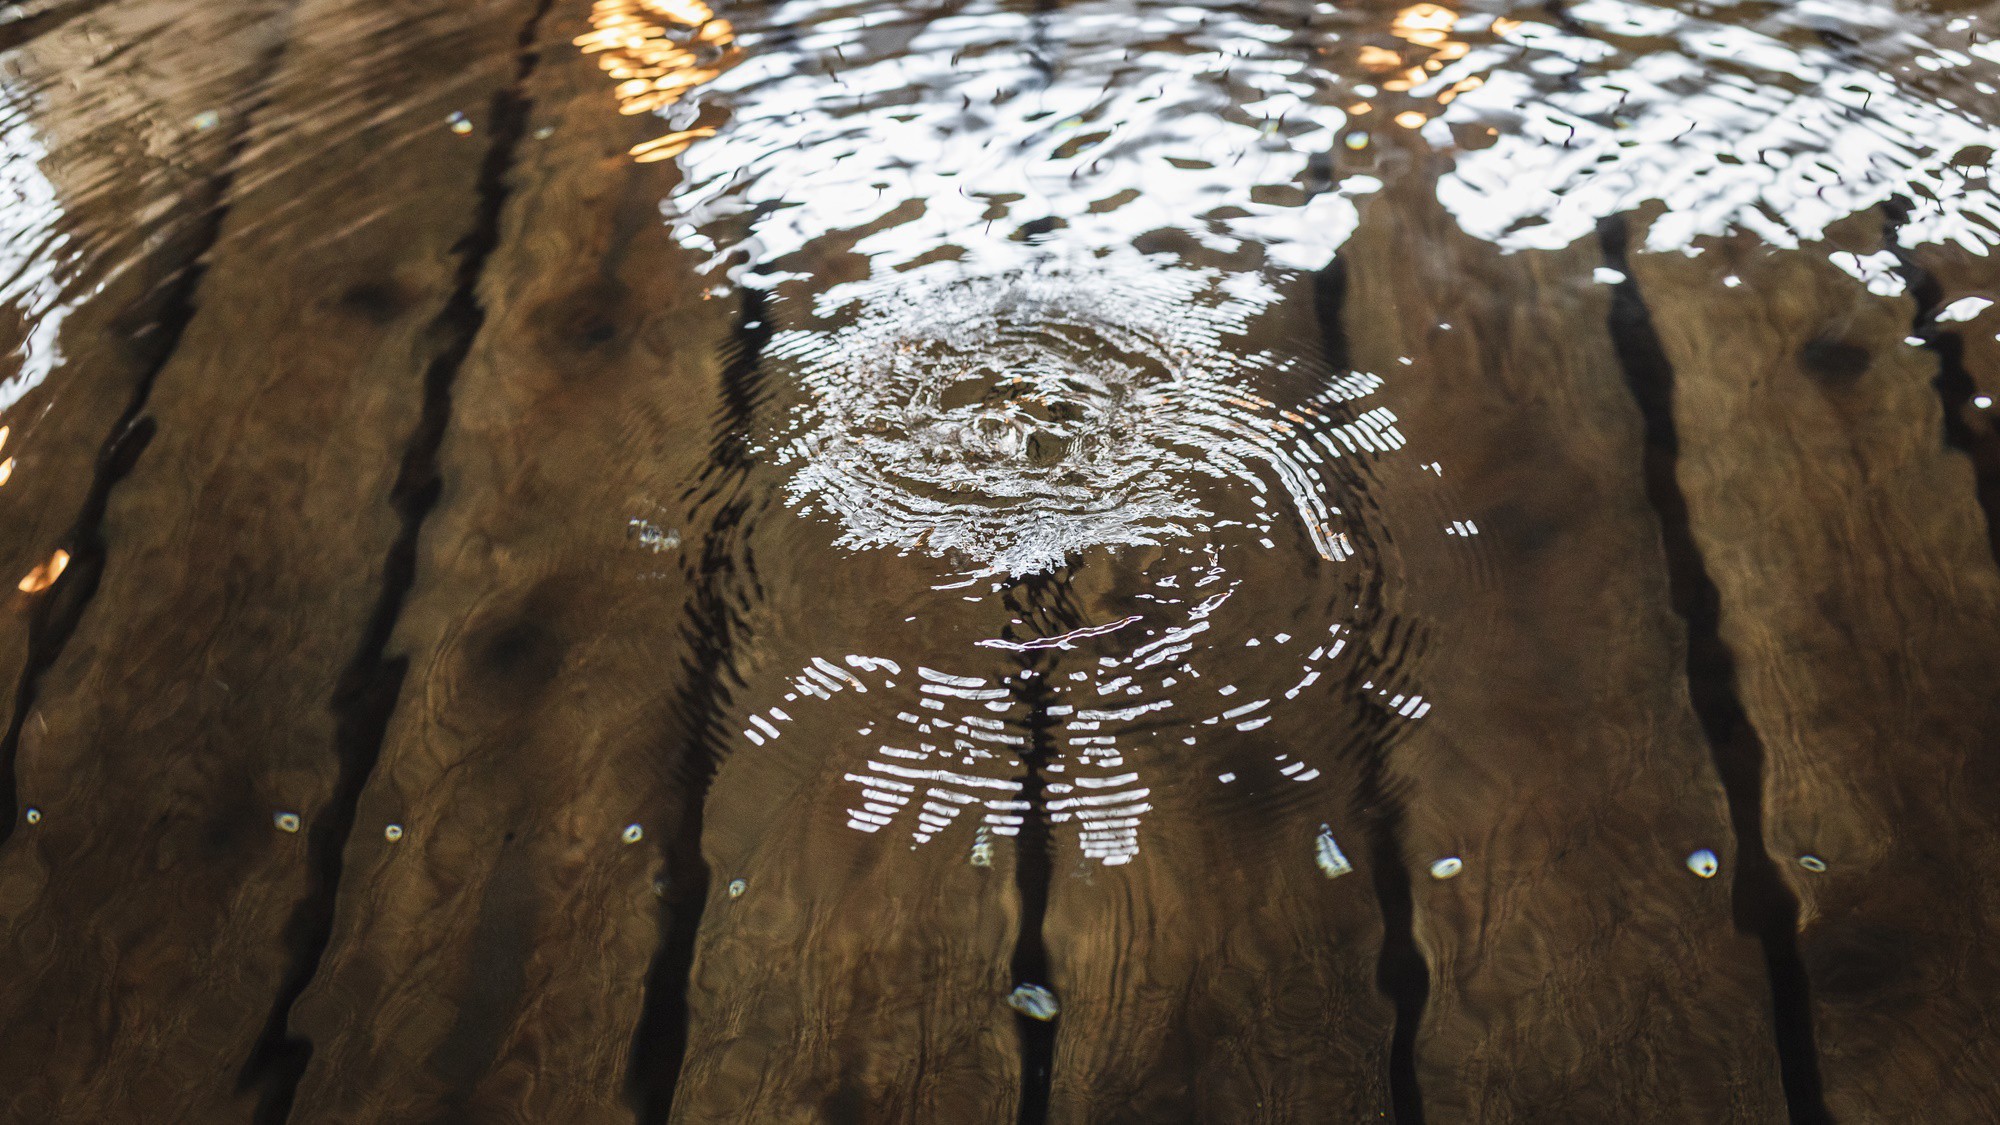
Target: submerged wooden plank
(185, 749)
(1221, 962)
(118, 122)
(1579, 969)
(853, 960)
(1862, 604)
(1964, 329)
(490, 954)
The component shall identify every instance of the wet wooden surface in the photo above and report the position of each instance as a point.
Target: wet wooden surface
(1861, 599)
(1265, 1005)
(490, 964)
(149, 171)
(189, 735)
(1579, 970)
(536, 873)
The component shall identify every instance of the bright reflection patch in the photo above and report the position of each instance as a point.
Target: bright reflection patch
(1015, 422)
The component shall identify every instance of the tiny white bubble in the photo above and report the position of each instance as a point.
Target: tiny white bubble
(1812, 863)
(1447, 867)
(1983, 402)
(634, 833)
(392, 833)
(34, 816)
(1703, 863)
(1034, 1001)
(737, 887)
(286, 821)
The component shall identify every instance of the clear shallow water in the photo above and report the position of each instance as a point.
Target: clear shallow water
(1039, 285)
(1197, 479)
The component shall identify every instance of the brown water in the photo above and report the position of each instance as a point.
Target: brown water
(1117, 561)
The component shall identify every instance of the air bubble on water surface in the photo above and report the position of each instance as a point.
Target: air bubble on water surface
(1333, 863)
(1704, 863)
(1447, 868)
(1034, 1001)
(286, 821)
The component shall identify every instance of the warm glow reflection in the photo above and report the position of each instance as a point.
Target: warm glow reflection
(6, 470)
(45, 575)
(659, 51)
(1425, 26)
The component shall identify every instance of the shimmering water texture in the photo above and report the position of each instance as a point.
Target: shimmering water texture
(1037, 288)
(1017, 423)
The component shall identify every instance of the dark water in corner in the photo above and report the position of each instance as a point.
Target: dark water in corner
(1057, 521)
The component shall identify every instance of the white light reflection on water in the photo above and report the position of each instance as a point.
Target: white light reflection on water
(1776, 119)
(1017, 262)
(1030, 247)
(34, 261)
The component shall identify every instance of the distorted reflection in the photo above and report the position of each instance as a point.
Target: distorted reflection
(1071, 334)
(658, 51)
(1034, 292)
(34, 262)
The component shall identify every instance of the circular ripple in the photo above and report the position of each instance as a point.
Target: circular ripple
(1014, 422)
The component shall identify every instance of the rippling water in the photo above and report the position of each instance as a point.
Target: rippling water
(1049, 512)
(1040, 284)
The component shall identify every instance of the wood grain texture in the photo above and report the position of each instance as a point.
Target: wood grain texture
(1862, 604)
(149, 913)
(1220, 974)
(1579, 970)
(490, 965)
(859, 975)
(104, 110)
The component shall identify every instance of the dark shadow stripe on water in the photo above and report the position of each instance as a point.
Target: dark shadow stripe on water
(1045, 605)
(1764, 906)
(1955, 388)
(1400, 970)
(22, 30)
(723, 581)
(156, 336)
(366, 692)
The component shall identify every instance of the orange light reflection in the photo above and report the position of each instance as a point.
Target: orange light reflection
(45, 575)
(659, 51)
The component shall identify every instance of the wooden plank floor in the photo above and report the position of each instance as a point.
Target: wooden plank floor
(101, 324)
(1580, 970)
(193, 733)
(1861, 599)
(389, 748)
